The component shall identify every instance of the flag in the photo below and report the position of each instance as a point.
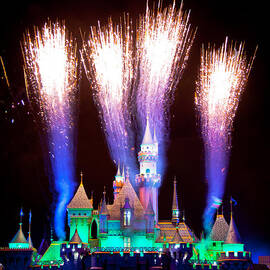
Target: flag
(216, 202)
(233, 201)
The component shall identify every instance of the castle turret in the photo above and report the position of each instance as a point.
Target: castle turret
(118, 182)
(233, 255)
(104, 215)
(175, 208)
(79, 211)
(148, 181)
(19, 240)
(233, 241)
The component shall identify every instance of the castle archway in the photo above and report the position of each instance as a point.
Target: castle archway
(94, 229)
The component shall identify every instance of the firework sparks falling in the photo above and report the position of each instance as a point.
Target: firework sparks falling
(51, 80)
(109, 65)
(223, 76)
(163, 43)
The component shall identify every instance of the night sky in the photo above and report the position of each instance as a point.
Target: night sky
(24, 174)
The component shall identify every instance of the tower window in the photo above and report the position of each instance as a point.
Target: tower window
(127, 242)
(127, 217)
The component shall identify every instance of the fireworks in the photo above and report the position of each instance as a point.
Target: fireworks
(109, 65)
(51, 80)
(163, 43)
(223, 75)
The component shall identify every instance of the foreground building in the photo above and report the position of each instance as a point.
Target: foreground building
(128, 233)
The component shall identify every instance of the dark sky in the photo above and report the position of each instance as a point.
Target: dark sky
(24, 178)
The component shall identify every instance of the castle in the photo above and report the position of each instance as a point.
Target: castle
(128, 233)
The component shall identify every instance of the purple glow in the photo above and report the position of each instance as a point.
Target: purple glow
(223, 75)
(163, 45)
(51, 83)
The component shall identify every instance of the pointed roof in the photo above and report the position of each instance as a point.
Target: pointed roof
(149, 209)
(118, 170)
(76, 239)
(127, 191)
(155, 136)
(177, 239)
(175, 199)
(147, 138)
(19, 237)
(168, 228)
(127, 205)
(29, 240)
(80, 199)
(104, 209)
(220, 229)
(233, 236)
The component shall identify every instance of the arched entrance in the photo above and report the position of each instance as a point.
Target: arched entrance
(94, 229)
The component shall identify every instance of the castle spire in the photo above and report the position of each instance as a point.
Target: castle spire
(81, 184)
(118, 170)
(29, 232)
(19, 240)
(233, 236)
(104, 209)
(119, 181)
(155, 136)
(147, 138)
(175, 208)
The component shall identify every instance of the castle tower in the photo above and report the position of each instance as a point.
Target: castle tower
(233, 241)
(118, 182)
(148, 181)
(79, 211)
(175, 208)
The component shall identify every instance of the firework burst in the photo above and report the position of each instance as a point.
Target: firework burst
(50, 68)
(223, 76)
(164, 40)
(108, 63)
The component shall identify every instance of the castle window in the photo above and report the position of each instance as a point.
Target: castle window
(127, 217)
(127, 242)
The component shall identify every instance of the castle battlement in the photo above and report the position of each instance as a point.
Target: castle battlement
(234, 255)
